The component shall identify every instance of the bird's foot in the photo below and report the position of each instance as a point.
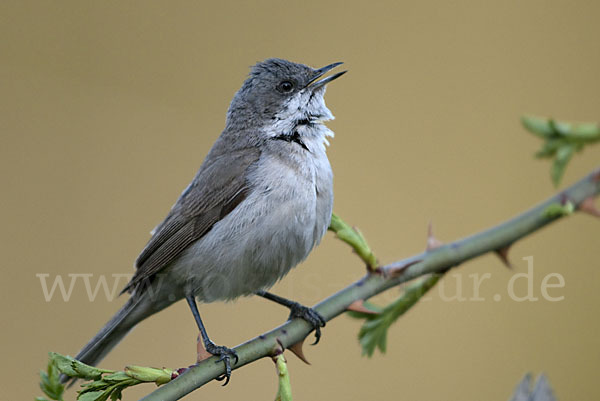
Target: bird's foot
(310, 315)
(225, 354)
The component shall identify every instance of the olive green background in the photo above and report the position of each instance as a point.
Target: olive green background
(108, 108)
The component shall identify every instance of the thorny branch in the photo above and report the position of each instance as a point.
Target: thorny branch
(290, 335)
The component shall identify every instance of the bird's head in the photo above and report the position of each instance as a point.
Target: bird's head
(282, 94)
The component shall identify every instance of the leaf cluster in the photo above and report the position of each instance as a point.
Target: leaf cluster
(50, 383)
(561, 140)
(373, 333)
(102, 384)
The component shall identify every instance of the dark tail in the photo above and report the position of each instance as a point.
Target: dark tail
(134, 311)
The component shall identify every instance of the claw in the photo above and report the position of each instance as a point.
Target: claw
(225, 376)
(224, 355)
(311, 316)
(317, 336)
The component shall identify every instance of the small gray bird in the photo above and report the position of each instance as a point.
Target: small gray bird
(259, 204)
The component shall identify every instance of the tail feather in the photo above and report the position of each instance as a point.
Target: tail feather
(113, 332)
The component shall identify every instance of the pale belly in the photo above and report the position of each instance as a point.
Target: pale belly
(269, 233)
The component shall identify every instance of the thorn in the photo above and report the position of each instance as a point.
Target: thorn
(396, 270)
(432, 242)
(359, 306)
(588, 206)
(201, 352)
(503, 255)
(297, 350)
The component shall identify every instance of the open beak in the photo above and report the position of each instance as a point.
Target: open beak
(314, 84)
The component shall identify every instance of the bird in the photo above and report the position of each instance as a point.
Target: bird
(260, 202)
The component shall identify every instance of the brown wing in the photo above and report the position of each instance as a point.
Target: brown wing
(217, 189)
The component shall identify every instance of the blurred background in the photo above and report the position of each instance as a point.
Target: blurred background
(108, 109)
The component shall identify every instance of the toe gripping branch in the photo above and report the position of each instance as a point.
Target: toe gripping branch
(297, 310)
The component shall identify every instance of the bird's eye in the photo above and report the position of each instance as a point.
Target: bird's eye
(285, 87)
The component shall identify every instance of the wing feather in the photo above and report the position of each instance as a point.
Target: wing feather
(218, 188)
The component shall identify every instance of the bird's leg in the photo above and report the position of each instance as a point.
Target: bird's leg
(222, 352)
(296, 310)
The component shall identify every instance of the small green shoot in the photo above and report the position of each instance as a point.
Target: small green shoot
(355, 239)
(562, 140)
